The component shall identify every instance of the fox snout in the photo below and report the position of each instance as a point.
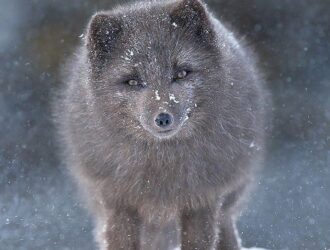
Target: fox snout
(164, 120)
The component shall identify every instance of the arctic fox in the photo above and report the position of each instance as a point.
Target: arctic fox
(162, 119)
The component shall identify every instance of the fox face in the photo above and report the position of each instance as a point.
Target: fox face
(154, 76)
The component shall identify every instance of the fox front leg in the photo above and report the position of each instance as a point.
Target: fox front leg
(198, 229)
(121, 231)
(227, 237)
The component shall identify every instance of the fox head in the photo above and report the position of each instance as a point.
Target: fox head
(156, 71)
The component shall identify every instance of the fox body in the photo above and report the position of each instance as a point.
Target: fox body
(162, 118)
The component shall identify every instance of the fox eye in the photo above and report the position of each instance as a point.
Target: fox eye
(181, 74)
(133, 82)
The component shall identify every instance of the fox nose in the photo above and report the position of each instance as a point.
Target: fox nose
(163, 120)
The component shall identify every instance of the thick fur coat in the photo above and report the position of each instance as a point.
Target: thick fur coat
(137, 63)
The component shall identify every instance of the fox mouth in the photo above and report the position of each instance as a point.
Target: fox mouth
(165, 131)
(165, 134)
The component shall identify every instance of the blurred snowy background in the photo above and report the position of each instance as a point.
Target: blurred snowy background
(290, 210)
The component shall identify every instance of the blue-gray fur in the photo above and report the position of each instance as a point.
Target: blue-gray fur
(132, 176)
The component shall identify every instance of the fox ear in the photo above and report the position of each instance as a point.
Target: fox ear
(103, 31)
(193, 16)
